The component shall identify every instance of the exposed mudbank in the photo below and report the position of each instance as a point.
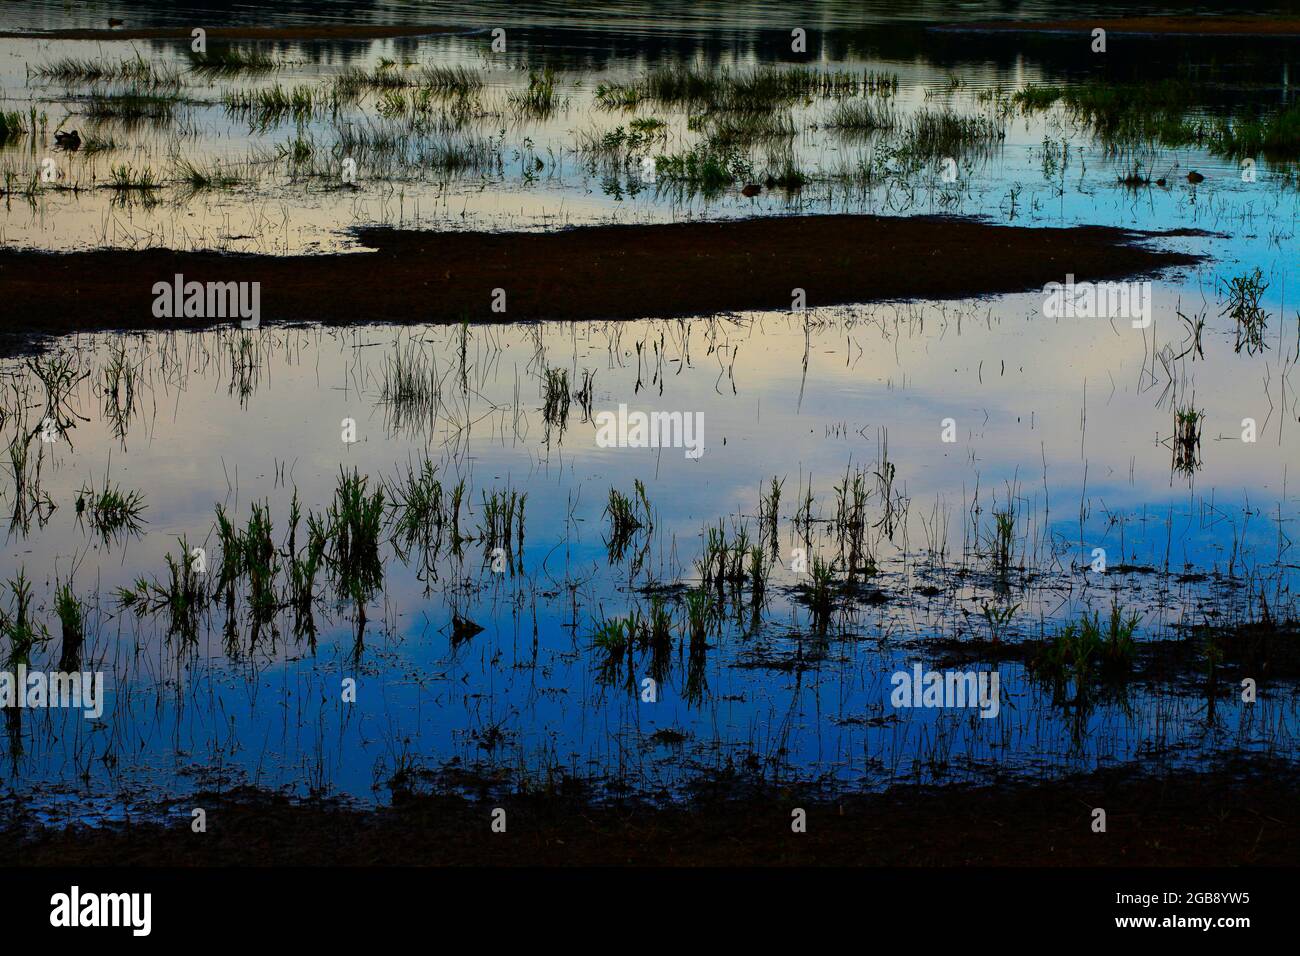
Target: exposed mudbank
(603, 272)
(1239, 813)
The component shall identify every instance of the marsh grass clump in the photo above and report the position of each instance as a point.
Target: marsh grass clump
(137, 70)
(265, 106)
(851, 523)
(125, 178)
(416, 96)
(998, 619)
(355, 521)
(726, 130)
(250, 554)
(1244, 293)
(94, 144)
(620, 144)
(700, 615)
(863, 116)
(111, 512)
(539, 99)
(1084, 653)
(11, 125)
(706, 167)
(782, 172)
(932, 134)
(627, 516)
(72, 624)
(356, 81)
(503, 521)
(455, 81)
(461, 154)
(134, 104)
(59, 375)
(231, 60)
(820, 593)
(259, 560)
(769, 513)
(16, 623)
(614, 635)
(1002, 543)
(555, 397)
(1187, 438)
(183, 595)
(196, 177)
(1275, 136)
(753, 90)
(303, 566)
(409, 381)
(760, 566)
(416, 502)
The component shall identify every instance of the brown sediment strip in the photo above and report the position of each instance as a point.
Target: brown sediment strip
(1242, 814)
(1243, 26)
(312, 31)
(594, 272)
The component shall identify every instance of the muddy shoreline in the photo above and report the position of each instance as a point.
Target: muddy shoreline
(1240, 813)
(594, 272)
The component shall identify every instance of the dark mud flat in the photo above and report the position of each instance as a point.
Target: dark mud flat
(315, 31)
(602, 272)
(1206, 26)
(1240, 813)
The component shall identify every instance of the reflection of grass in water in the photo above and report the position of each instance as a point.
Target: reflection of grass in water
(620, 143)
(438, 80)
(383, 150)
(415, 500)
(1187, 438)
(1275, 136)
(17, 625)
(138, 71)
(1162, 113)
(503, 522)
(555, 397)
(863, 115)
(11, 125)
(539, 99)
(627, 516)
(706, 166)
(749, 90)
(268, 105)
(355, 522)
(197, 177)
(744, 129)
(133, 104)
(410, 387)
(181, 595)
(1244, 293)
(125, 178)
(1082, 653)
(304, 566)
(72, 624)
(112, 513)
(931, 134)
(94, 143)
(1004, 532)
(229, 61)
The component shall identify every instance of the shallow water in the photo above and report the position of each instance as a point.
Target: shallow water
(1068, 422)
